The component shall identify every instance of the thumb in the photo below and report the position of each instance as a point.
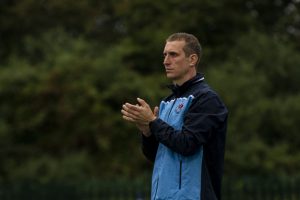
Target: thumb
(142, 102)
(155, 111)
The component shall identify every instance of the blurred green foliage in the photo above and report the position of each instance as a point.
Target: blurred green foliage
(67, 67)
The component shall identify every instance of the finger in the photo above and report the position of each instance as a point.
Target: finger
(131, 109)
(128, 119)
(129, 114)
(134, 117)
(155, 111)
(142, 102)
(129, 106)
(136, 121)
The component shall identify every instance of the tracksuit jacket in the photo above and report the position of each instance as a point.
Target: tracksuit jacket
(187, 143)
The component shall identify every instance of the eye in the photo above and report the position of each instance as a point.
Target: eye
(170, 54)
(173, 54)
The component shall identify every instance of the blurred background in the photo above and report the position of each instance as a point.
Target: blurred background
(66, 68)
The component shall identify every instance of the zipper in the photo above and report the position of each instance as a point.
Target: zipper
(180, 163)
(180, 171)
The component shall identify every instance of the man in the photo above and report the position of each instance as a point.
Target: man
(186, 140)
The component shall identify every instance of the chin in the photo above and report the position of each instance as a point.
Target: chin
(170, 75)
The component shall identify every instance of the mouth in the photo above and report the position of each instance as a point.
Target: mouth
(168, 69)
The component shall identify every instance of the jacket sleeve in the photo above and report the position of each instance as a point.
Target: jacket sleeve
(149, 147)
(205, 115)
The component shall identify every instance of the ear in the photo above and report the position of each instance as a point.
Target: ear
(193, 59)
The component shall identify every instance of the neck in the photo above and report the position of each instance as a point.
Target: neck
(184, 79)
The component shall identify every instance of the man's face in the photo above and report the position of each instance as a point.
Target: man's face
(177, 65)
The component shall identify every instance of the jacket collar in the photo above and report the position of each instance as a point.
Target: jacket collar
(179, 90)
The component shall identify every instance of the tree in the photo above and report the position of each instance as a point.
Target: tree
(67, 67)
(259, 84)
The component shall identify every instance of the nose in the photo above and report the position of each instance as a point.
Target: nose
(166, 60)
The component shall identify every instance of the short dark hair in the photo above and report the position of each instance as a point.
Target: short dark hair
(192, 45)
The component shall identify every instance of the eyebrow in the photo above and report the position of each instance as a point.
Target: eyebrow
(170, 53)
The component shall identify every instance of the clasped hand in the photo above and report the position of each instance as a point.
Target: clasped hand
(140, 114)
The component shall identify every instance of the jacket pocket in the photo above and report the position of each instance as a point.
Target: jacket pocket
(180, 174)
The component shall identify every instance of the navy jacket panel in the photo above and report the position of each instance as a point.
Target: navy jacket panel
(149, 147)
(200, 121)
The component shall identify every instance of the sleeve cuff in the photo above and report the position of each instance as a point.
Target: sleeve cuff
(154, 125)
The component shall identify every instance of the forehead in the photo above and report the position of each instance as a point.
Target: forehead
(175, 46)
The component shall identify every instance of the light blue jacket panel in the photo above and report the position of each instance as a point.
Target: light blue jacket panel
(178, 175)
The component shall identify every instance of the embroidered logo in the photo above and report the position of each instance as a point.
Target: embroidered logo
(179, 108)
